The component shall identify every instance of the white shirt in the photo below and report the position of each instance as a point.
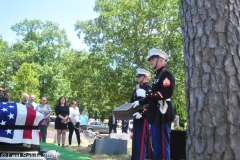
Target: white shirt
(74, 114)
(113, 122)
(34, 105)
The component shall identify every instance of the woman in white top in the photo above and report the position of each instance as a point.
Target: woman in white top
(73, 124)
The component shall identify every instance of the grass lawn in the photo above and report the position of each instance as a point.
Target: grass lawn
(85, 150)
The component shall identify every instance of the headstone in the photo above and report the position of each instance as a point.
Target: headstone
(109, 146)
(124, 136)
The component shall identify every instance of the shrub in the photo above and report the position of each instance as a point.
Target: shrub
(178, 128)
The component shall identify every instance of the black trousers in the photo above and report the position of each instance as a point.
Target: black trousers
(71, 129)
(124, 129)
(113, 127)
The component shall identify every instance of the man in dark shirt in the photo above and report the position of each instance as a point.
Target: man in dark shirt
(2, 98)
(112, 123)
(124, 126)
(2, 90)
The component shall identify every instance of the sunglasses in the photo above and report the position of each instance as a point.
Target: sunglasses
(1, 90)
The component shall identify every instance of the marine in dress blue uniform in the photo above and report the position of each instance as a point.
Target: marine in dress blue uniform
(140, 125)
(160, 110)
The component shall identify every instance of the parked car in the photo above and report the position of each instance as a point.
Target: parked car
(98, 126)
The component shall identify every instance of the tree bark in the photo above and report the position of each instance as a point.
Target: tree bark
(211, 36)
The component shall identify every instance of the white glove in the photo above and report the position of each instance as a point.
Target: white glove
(138, 115)
(141, 93)
(135, 104)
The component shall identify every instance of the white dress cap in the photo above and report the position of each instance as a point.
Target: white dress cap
(156, 52)
(141, 71)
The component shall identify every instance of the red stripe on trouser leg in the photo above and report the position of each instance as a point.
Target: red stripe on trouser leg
(148, 143)
(143, 137)
(31, 115)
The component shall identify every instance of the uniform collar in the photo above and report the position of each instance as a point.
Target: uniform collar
(143, 84)
(160, 69)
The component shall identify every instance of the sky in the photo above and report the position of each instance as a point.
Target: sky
(63, 12)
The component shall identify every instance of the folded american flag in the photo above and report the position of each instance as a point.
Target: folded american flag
(18, 123)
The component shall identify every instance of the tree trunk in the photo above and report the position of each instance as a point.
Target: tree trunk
(211, 36)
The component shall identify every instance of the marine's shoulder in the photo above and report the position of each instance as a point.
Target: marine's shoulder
(166, 72)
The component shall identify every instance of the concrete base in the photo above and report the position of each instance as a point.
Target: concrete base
(109, 146)
(123, 136)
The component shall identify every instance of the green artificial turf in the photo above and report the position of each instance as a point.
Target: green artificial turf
(65, 154)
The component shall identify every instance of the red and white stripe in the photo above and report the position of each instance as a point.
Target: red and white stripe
(26, 116)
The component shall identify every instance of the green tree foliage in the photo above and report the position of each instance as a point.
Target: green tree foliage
(41, 44)
(91, 79)
(125, 31)
(52, 82)
(119, 39)
(25, 80)
(4, 63)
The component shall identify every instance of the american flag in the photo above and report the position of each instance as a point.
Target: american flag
(12, 114)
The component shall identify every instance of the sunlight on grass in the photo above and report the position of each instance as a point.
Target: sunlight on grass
(85, 150)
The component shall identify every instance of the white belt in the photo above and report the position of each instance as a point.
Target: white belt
(168, 99)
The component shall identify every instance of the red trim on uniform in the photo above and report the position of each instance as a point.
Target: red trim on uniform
(149, 143)
(31, 115)
(160, 94)
(142, 141)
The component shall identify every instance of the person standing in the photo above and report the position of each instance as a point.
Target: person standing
(25, 98)
(112, 123)
(7, 95)
(31, 100)
(73, 124)
(2, 90)
(2, 98)
(62, 113)
(125, 126)
(46, 111)
(83, 120)
(160, 113)
(140, 125)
